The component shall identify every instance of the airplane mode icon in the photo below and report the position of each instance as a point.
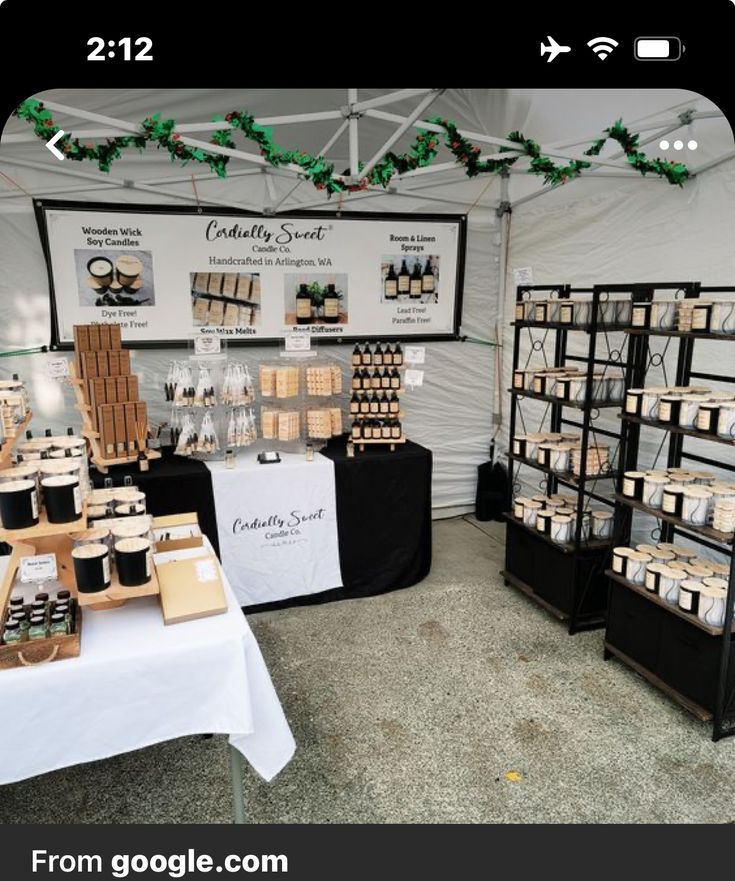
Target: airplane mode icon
(554, 49)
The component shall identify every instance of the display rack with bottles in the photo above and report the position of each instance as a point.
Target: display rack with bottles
(376, 416)
(678, 651)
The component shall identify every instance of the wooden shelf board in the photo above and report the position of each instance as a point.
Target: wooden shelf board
(707, 531)
(12, 439)
(124, 460)
(657, 601)
(677, 429)
(567, 547)
(44, 529)
(552, 399)
(566, 477)
(689, 334)
(116, 593)
(694, 708)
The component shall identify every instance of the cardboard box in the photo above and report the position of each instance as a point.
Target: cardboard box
(215, 282)
(243, 287)
(122, 388)
(81, 338)
(216, 313)
(124, 356)
(107, 430)
(133, 390)
(103, 367)
(190, 587)
(200, 310)
(173, 532)
(121, 442)
(131, 427)
(113, 362)
(229, 284)
(89, 365)
(110, 390)
(97, 397)
(115, 336)
(94, 337)
(104, 336)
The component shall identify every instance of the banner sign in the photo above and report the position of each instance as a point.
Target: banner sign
(167, 275)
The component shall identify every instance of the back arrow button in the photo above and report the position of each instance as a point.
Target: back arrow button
(50, 144)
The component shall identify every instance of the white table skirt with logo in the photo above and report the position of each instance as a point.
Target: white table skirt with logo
(277, 526)
(138, 682)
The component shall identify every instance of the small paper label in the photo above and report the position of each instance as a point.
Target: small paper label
(523, 276)
(298, 342)
(38, 568)
(685, 600)
(414, 378)
(34, 504)
(106, 568)
(415, 354)
(58, 368)
(148, 564)
(207, 345)
(77, 501)
(206, 570)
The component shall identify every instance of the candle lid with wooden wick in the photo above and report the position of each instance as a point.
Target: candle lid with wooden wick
(97, 534)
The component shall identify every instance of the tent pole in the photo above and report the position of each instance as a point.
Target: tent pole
(391, 98)
(353, 116)
(503, 213)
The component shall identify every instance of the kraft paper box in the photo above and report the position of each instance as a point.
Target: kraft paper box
(229, 284)
(243, 287)
(190, 588)
(122, 388)
(133, 392)
(113, 362)
(121, 441)
(215, 283)
(107, 430)
(81, 337)
(110, 390)
(89, 365)
(94, 337)
(124, 356)
(131, 426)
(104, 330)
(216, 313)
(103, 366)
(173, 532)
(115, 336)
(97, 397)
(141, 416)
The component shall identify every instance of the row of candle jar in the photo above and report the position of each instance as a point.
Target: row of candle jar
(571, 385)
(550, 449)
(577, 313)
(119, 502)
(694, 497)
(709, 412)
(37, 469)
(42, 618)
(700, 316)
(133, 560)
(557, 520)
(697, 587)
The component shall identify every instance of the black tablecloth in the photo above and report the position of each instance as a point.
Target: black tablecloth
(173, 485)
(383, 513)
(383, 521)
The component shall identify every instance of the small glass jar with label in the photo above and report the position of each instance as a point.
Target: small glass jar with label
(59, 625)
(12, 632)
(38, 629)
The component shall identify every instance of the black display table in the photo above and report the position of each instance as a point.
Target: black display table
(173, 485)
(383, 521)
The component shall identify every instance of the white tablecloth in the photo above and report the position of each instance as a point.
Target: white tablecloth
(277, 526)
(138, 682)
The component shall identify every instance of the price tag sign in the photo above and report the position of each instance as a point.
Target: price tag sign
(298, 342)
(414, 378)
(523, 276)
(207, 345)
(58, 368)
(415, 354)
(39, 568)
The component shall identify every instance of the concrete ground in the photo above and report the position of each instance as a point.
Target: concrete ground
(458, 700)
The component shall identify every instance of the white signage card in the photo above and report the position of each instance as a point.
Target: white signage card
(298, 342)
(173, 275)
(415, 354)
(207, 345)
(414, 378)
(39, 568)
(523, 276)
(58, 368)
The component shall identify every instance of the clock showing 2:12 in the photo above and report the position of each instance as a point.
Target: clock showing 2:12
(122, 49)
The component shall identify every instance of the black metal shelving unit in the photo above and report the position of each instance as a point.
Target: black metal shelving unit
(566, 579)
(692, 663)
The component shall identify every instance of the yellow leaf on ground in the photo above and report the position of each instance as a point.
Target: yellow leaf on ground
(513, 776)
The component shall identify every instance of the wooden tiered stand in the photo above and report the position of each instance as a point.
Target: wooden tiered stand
(93, 437)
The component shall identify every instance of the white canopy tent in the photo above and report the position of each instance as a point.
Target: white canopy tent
(611, 224)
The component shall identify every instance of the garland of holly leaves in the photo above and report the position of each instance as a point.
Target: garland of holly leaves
(423, 151)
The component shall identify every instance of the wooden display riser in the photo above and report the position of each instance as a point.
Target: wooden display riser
(44, 529)
(102, 464)
(391, 443)
(11, 439)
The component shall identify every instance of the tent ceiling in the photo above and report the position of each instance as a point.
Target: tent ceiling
(555, 118)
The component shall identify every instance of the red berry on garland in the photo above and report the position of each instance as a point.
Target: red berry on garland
(176, 136)
(475, 149)
(432, 144)
(228, 117)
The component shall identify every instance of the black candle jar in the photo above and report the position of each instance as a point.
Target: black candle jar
(566, 313)
(633, 401)
(672, 500)
(18, 504)
(668, 409)
(707, 417)
(701, 317)
(633, 485)
(100, 268)
(91, 567)
(133, 561)
(641, 315)
(61, 498)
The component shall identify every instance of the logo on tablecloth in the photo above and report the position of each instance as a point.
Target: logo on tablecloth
(278, 529)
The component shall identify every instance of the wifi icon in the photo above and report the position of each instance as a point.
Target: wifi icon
(602, 46)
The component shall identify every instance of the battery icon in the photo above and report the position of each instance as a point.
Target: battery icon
(658, 48)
